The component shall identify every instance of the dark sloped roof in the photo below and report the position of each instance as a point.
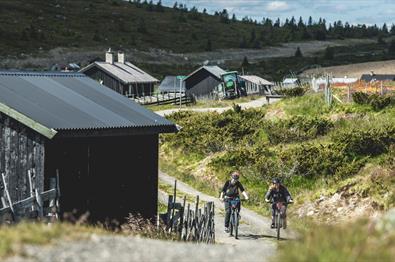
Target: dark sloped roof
(73, 101)
(370, 77)
(216, 71)
(126, 72)
(171, 84)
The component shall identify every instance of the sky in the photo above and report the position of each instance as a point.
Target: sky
(353, 11)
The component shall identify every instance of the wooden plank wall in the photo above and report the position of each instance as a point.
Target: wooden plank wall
(21, 149)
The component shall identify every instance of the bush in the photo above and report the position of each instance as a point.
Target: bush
(371, 142)
(376, 101)
(292, 92)
(379, 102)
(360, 98)
(317, 160)
(296, 129)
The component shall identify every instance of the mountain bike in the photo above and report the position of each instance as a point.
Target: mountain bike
(279, 217)
(234, 216)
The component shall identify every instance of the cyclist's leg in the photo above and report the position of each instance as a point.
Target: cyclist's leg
(227, 213)
(284, 212)
(273, 213)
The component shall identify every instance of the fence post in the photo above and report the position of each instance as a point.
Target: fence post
(348, 94)
(7, 193)
(174, 203)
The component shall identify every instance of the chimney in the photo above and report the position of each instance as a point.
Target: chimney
(121, 57)
(109, 56)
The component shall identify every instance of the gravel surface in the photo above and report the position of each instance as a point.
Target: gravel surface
(118, 248)
(252, 104)
(256, 242)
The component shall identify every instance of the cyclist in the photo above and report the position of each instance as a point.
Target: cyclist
(278, 193)
(231, 190)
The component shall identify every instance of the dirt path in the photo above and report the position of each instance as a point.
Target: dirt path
(254, 229)
(252, 104)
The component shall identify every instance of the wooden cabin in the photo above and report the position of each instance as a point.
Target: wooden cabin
(104, 146)
(121, 76)
(203, 82)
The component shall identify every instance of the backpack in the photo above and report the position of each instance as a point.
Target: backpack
(232, 190)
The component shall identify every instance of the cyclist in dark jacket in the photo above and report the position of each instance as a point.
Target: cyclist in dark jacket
(278, 193)
(231, 190)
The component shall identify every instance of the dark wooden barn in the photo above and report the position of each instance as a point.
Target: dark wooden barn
(203, 81)
(104, 146)
(121, 76)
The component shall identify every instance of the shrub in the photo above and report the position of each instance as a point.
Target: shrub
(296, 129)
(379, 102)
(292, 92)
(371, 142)
(360, 98)
(376, 101)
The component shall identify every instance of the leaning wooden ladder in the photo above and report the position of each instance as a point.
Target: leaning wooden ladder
(32, 206)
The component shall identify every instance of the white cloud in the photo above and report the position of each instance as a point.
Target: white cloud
(277, 6)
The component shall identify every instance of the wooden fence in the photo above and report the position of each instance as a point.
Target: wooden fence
(190, 223)
(164, 99)
(38, 205)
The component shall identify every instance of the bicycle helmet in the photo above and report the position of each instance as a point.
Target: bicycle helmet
(235, 175)
(276, 181)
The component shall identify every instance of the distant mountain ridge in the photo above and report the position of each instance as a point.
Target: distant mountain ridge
(37, 25)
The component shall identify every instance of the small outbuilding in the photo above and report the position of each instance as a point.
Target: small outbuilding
(203, 81)
(377, 77)
(103, 145)
(171, 84)
(256, 85)
(121, 76)
(290, 83)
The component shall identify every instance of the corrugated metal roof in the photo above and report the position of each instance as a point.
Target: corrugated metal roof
(125, 72)
(71, 101)
(214, 70)
(171, 84)
(256, 80)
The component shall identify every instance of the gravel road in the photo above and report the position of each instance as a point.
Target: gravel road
(252, 104)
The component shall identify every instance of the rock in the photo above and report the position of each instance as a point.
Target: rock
(310, 213)
(387, 222)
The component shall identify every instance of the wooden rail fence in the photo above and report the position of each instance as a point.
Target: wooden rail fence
(38, 205)
(190, 223)
(164, 99)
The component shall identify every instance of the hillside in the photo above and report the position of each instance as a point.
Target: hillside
(37, 25)
(338, 163)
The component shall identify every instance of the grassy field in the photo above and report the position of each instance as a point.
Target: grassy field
(362, 240)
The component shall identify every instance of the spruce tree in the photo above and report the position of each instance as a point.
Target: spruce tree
(298, 53)
(329, 53)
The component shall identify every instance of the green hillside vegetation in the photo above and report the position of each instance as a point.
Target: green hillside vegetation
(38, 25)
(307, 148)
(315, 149)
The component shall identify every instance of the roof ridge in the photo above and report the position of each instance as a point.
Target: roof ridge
(42, 73)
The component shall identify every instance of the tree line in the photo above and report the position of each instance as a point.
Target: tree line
(268, 31)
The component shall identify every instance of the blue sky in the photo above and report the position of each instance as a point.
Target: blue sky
(354, 11)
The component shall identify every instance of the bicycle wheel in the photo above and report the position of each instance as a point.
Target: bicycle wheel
(236, 219)
(231, 224)
(278, 218)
